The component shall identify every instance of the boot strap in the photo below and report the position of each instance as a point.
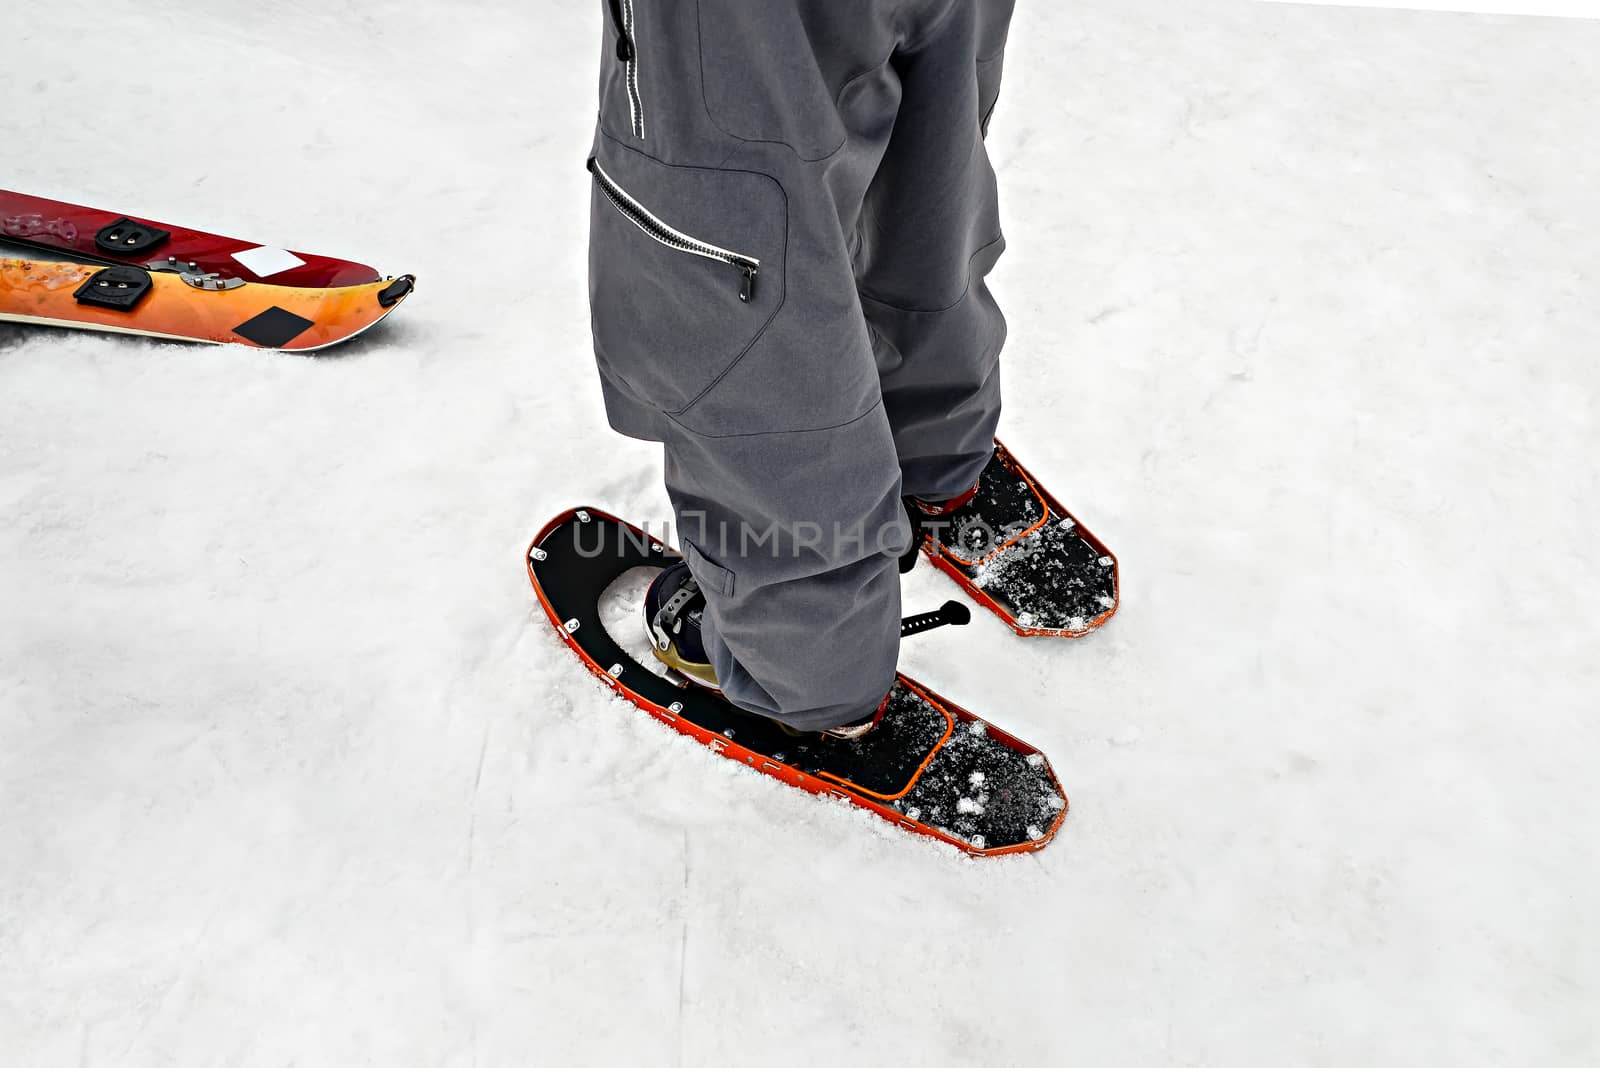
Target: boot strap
(668, 621)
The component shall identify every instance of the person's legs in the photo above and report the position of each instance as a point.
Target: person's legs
(735, 147)
(929, 233)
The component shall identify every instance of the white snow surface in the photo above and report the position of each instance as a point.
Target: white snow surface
(1304, 325)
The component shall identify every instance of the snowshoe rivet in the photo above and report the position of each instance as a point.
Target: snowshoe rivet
(1035, 760)
(538, 554)
(1105, 561)
(914, 813)
(1034, 832)
(675, 707)
(977, 841)
(583, 517)
(616, 671)
(572, 626)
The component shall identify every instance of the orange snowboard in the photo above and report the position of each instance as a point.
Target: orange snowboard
(178, 306)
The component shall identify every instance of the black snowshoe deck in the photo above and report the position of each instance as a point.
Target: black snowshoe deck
(930, 766)
(1018, 552)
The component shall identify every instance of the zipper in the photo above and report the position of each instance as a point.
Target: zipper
(748, 266)
(628, 54)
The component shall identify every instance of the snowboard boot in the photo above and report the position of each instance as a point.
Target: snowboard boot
(673, 608)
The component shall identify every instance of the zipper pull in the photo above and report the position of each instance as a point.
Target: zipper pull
(747, 292)
(624, 49)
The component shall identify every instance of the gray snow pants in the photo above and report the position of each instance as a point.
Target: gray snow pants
(792, 218)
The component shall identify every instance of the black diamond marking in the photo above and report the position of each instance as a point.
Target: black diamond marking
(273, 328)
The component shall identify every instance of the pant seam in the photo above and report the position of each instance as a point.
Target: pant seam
(935, 311)
(705, 103)
(769, 433)
(927, 37)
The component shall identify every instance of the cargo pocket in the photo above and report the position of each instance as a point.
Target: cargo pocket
(686, 271)
(707, 572)
(758, 85)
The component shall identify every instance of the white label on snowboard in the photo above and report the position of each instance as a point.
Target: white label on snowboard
(265, 262)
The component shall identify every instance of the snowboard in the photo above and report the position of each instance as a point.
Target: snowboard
(111, 237)
(1019, 553)
(179, 305)
(929, 767)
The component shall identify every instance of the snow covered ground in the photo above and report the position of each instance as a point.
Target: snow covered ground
(1305, 325)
